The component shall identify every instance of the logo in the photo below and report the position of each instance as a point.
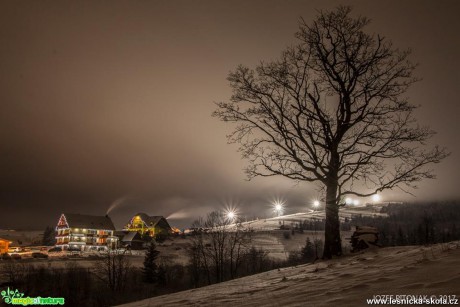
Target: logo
(14, 297)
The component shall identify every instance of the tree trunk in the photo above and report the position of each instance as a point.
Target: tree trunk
(332, 242)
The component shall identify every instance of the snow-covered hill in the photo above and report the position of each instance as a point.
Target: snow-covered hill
(348, 281)
(292, 219)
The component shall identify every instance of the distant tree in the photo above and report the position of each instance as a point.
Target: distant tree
(308, 251)
(150, 269)
(401, 240)
(146, 237)
(318, 247)
(49, 236)
(428, 224)
(218, 247)
(420, 235)
(454, 232)
(198, 264)
(161, 275)
(160, 238)
(113, 269)
(294, 258)
(287, 235)
(256, 260)
(332, 110)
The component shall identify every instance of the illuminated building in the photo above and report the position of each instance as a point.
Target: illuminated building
(4, 245)
(150, 225)
(85, 232)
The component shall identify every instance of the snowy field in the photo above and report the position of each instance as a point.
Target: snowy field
(22, 237)
(267, 235)
(348, 281)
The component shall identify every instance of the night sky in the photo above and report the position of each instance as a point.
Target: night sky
(108, 103)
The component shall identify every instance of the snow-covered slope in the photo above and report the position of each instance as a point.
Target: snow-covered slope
(292, 219)
(348, 281)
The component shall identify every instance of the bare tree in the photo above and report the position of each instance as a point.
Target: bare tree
(113, 270)
(218, 247)
(331, 110)
(239, 244)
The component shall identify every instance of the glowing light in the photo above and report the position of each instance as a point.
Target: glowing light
(376, 198)
(316, 203)
(348, 201)
(230, 215)
(279, 207)
(355, 202)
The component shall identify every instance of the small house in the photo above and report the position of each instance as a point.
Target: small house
(132, 240)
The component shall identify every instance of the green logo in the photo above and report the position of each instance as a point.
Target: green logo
(17, 298)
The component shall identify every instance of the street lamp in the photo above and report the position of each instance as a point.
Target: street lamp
(316, 203)
(348, 201)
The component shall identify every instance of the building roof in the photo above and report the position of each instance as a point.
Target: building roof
(150, 220)
(120, 233)
(89, 221)
(131, 236)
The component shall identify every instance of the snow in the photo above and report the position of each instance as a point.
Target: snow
(26, 237)
(291, 219)
(346, 281)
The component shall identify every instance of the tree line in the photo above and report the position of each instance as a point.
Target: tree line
(415, 223)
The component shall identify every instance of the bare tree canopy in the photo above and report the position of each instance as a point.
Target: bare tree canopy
(332, 110)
